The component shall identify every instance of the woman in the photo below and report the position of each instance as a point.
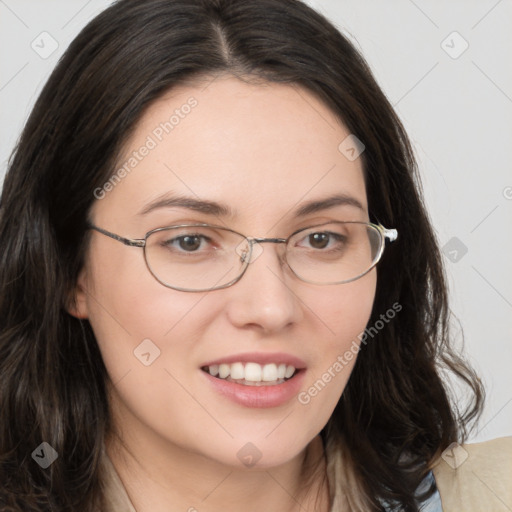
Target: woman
(192, 313)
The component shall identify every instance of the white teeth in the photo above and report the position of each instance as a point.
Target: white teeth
(237, 371)
(289, 371)
(224, 370)
(252, 372)
(269, 372)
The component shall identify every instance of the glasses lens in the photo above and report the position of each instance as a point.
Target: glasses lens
(201, 258)
(196, 257)
(334, 253)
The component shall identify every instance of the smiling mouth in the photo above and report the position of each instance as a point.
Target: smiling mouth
(252, 374)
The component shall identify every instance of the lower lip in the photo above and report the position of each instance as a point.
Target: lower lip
(258, 396)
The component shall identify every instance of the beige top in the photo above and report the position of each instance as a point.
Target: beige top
(470, 478)
(476, 477)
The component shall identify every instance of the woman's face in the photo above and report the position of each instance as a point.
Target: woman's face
(263, 151)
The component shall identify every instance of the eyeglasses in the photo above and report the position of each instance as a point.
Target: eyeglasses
(205, 257)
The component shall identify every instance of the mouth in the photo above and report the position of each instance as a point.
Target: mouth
(256, 379)
(252, 374)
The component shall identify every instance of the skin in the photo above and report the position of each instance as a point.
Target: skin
(263, 149)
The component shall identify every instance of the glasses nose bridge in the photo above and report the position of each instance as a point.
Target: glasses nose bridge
(267, 240)
(259, 240)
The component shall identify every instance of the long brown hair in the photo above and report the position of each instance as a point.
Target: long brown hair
(395, 416)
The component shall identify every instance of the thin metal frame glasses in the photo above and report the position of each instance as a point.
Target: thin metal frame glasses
(356, 249)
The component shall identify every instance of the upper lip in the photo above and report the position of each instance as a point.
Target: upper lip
(260, 358)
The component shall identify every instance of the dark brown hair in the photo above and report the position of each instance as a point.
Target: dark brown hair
(395, 416)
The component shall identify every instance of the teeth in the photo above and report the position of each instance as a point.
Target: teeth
(269, 373)
(224, 370)
(289, 372)
(251, 372)
(237, 371)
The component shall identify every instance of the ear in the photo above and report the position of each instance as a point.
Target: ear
(77, 300)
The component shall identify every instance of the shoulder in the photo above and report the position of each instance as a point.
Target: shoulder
(475, 477)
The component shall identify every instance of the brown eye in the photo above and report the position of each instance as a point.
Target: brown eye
(189, 243)
(319, 240)
(325, 240)
(186, 243)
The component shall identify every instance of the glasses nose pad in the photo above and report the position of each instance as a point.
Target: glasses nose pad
(243, 249)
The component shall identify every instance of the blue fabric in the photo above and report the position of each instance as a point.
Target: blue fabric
(433, 504)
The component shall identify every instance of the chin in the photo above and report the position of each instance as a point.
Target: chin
(256, 454)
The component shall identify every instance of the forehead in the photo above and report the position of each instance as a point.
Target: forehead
(258, 147)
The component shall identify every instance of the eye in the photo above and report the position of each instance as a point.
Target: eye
(324, 239)
(187, 243)
(319, 240)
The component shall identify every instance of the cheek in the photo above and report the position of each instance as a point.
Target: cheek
(148, 336)
(132, 314)
(344, 316)
(346, 311)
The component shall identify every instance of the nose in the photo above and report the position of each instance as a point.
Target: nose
(266, 296)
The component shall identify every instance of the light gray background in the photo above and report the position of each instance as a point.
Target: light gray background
(456, 106)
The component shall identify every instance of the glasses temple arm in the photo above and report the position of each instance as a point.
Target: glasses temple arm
(126, 241)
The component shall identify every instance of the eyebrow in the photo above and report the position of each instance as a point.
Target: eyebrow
(222, 210)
